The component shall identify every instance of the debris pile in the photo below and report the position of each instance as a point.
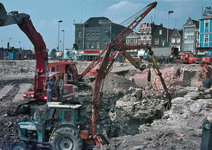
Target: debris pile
(115, 83)
(134, 117)
(174, 77)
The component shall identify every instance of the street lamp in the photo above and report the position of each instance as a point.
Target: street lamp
(169, 12)
(9, 43)
(59, 33)
(63, 37)
(20, 43)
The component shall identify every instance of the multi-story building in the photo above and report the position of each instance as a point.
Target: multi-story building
(190, 35)
(153, 35)
(145, 31)
(176, 39)
(205, 33)
(91, 36)
(132, 39)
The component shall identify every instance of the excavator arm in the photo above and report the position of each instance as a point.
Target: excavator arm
(117, 42)
(105, 65)
(25, 24)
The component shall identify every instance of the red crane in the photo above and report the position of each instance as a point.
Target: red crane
(105, 65)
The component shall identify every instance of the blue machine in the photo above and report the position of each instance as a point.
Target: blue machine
(55, 117)
(209, 54)
(69, 54)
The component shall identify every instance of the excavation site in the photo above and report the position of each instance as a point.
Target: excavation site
(133, 113)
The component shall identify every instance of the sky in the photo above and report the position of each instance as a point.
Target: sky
(45, 15)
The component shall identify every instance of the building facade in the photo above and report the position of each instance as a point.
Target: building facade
(176, 39)
(153, 35)
(132, 39)
(205, 33)
(190, 35)
(92, 36)
(145, 32)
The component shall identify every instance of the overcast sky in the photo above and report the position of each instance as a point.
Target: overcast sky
(45, 15)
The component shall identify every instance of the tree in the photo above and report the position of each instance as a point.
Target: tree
(53, 52)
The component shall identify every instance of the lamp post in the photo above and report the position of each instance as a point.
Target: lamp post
(20, 43)
(169, 12)
(63, 37)
(59, 33)
(9, 43)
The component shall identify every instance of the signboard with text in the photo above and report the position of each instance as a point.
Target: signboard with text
(91, 52)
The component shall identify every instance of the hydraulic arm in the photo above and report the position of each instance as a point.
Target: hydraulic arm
(25, 24)
(116, 44)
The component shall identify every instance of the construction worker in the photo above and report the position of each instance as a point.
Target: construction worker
(181, 59)
(60, 85)
(50, 85)
(206, 74)
(69, 72)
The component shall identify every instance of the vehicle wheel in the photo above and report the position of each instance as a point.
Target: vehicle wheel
(19, 146)
(193, 62)
(66, 139)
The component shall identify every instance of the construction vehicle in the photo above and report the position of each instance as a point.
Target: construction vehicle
(208, 57)
(43, 69)
(189, 58)
(136, 59)
(55, 126)
(109, 53)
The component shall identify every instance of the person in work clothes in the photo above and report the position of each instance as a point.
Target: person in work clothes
(69, 72)
(50, 85)
(206, 74)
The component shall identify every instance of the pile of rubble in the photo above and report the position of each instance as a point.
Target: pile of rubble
(174, 77)
(133, 116)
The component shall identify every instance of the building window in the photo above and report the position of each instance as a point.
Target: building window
(156, 41)
(92, 44)
(188, 47)
(97, 44)
(80, 35)
(178, 40)
(163, 40)
(135, 41)
(106, 33)
(173, 40)
(189, 38)
(92, 34)
(189, 30)
(160, 32)
(206, 23)
(87, 45)
(97, 34)
(206, 39)
(87, 34)
(147, 36)
(144, 25)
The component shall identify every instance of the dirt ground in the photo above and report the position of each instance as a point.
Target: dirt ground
(129, 120)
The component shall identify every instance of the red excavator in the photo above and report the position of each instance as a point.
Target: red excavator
(45, 70)
(58, 69)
